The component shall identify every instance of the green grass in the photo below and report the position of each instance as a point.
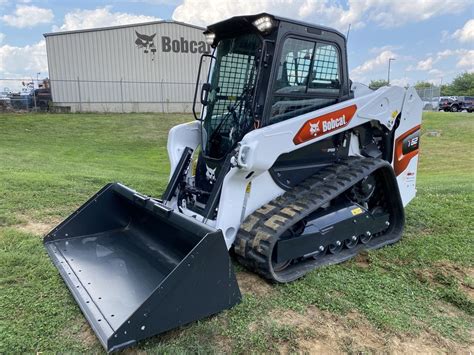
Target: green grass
(50, 164)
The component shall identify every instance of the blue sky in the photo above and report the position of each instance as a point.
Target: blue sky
(431, 40)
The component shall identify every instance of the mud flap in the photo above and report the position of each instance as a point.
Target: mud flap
(137, 268)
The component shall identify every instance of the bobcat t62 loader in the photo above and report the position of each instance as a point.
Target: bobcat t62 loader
(289, 165)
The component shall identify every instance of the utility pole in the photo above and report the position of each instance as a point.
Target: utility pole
(388, 76)
(348, 32)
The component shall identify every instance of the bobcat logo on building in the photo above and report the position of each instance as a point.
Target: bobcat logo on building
(147, 43)
(324, 124)
(150, 43)
(210, 174)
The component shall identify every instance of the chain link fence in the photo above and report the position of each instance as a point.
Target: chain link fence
(77, 95)
(121, 96)
(430, 97)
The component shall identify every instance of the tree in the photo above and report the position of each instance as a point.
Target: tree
(463, 85)
(423, 85)
(446, 90)
(377, 84)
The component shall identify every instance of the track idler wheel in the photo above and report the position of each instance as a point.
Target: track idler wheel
(365, 238)
(351, 242)
(336, 248)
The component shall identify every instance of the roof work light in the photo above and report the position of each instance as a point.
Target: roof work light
(264, 24)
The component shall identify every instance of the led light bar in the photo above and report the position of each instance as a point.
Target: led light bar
(210, 37)
(264, 24)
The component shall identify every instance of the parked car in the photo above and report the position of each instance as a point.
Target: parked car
(468, 103)
(43, 98)
(5, 98)
(449, 104)
(456, 103)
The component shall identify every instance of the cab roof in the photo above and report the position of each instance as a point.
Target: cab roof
(238, 24)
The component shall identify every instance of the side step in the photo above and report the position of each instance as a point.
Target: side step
(137, 268)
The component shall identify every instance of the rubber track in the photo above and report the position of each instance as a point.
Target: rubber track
(260, 230)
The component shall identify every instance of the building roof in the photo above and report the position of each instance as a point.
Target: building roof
(123, 26)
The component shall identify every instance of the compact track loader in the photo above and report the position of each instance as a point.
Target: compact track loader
(289, 164)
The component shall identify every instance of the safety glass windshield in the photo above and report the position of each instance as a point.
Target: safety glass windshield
(229, 112)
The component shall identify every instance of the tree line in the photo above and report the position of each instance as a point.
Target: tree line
(462, 85)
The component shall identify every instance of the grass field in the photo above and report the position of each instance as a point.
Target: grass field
(416, 296)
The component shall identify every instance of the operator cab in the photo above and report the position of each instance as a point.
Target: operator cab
(264, 69)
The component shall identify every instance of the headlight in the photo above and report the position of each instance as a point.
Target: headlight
(264, 24)
(244, 155)
(210, 37)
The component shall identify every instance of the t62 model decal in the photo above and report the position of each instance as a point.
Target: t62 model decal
(321, 125)
(406, 147)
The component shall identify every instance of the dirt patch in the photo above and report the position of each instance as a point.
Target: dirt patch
(362, 260)
(39, 228)
(468, 290)
(455, 270)
(352, 333)
(30, 224)
(133, 351)
(80, 331)
(87, 336)
(251, 283)
(445, 273)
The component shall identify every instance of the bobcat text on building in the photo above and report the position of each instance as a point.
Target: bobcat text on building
(184, 46)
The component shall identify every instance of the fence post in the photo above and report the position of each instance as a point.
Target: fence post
(79, 93)
(162, 98)
(121, 92)
(432, 105)
(34, 98)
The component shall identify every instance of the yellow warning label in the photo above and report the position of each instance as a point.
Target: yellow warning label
(249, 187)
(394, 114)
(356, 211)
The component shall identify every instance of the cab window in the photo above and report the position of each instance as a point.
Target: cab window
(307, 78)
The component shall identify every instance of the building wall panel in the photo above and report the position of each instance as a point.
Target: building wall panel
(106, 68)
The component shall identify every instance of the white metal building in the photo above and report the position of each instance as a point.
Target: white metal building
(148, 67)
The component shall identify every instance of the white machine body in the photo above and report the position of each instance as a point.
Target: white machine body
(259, 149)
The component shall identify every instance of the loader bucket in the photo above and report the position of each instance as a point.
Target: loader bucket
(137, 268)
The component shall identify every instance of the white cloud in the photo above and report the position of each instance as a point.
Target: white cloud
(26, 16)
(380, 61)
(358, 13)
(100, 17)
(445, 36)
(323, 12)
(389, 13)
(464, 57)
(405, 81)
(29, 59)
(426, 64)
(436, 73)
(466, 60)
(377, 50)
(2, 37)
(466, 33)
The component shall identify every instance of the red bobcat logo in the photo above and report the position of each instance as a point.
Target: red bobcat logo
(314, 129)
(321, 125)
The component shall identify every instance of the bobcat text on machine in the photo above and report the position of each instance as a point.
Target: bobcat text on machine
(289, 164)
